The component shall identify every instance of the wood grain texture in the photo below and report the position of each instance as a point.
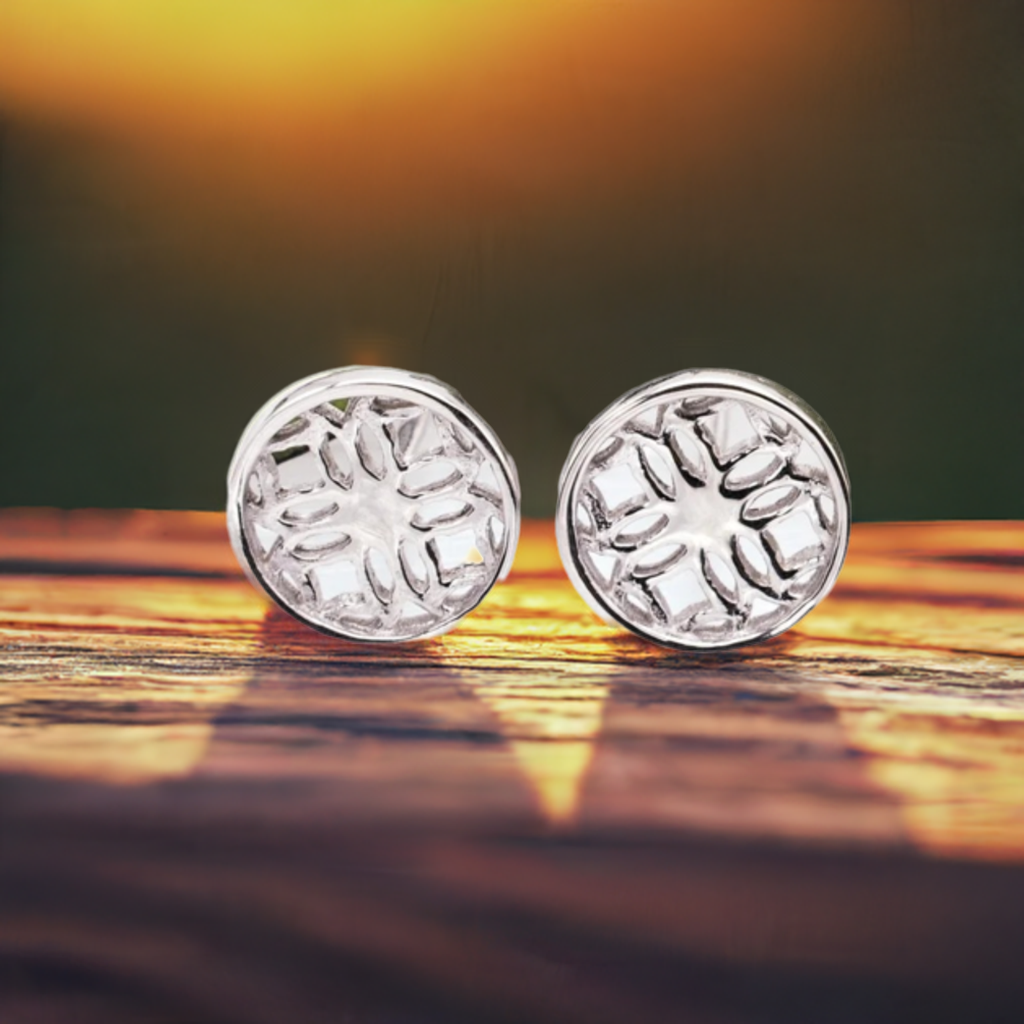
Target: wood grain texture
(211, 813)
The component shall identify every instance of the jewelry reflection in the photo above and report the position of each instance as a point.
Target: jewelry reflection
(704, 510)
(373, 504)
(551, 723)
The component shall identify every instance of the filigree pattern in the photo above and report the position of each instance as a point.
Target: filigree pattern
(376, 518)
(708, 520)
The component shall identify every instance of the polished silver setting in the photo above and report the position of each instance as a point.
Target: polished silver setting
(705, 510)
(373, 504)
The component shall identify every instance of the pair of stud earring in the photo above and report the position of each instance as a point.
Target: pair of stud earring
(704, 510)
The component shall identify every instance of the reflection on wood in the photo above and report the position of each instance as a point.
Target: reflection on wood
(536, 817)
(551, 726)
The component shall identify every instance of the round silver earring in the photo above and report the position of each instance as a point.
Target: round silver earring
(373, 504)
(704, 510)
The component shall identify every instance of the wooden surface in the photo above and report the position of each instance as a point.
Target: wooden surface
(210, 813)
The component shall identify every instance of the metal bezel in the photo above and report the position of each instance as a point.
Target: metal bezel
(618, 413)
(351, 381)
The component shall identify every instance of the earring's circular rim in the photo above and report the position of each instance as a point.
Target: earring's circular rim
(377, 382)
(616, 415)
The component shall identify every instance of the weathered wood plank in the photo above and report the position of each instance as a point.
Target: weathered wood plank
(535, 817)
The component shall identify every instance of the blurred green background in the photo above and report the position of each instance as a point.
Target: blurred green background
(543, 205)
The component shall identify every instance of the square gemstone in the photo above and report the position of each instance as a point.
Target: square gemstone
(680, 594)
(298, 472)
(793, 540)
(340, 578)
(414, 438)
(730, 432)
(602, 567)
(265, 540)
(454, 553)
(619, 491)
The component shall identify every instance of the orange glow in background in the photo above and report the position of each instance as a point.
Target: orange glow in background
(510, 195)
(389, 108)
(112, 58)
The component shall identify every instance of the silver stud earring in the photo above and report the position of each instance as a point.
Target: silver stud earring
(373, 504)
(704, 510)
